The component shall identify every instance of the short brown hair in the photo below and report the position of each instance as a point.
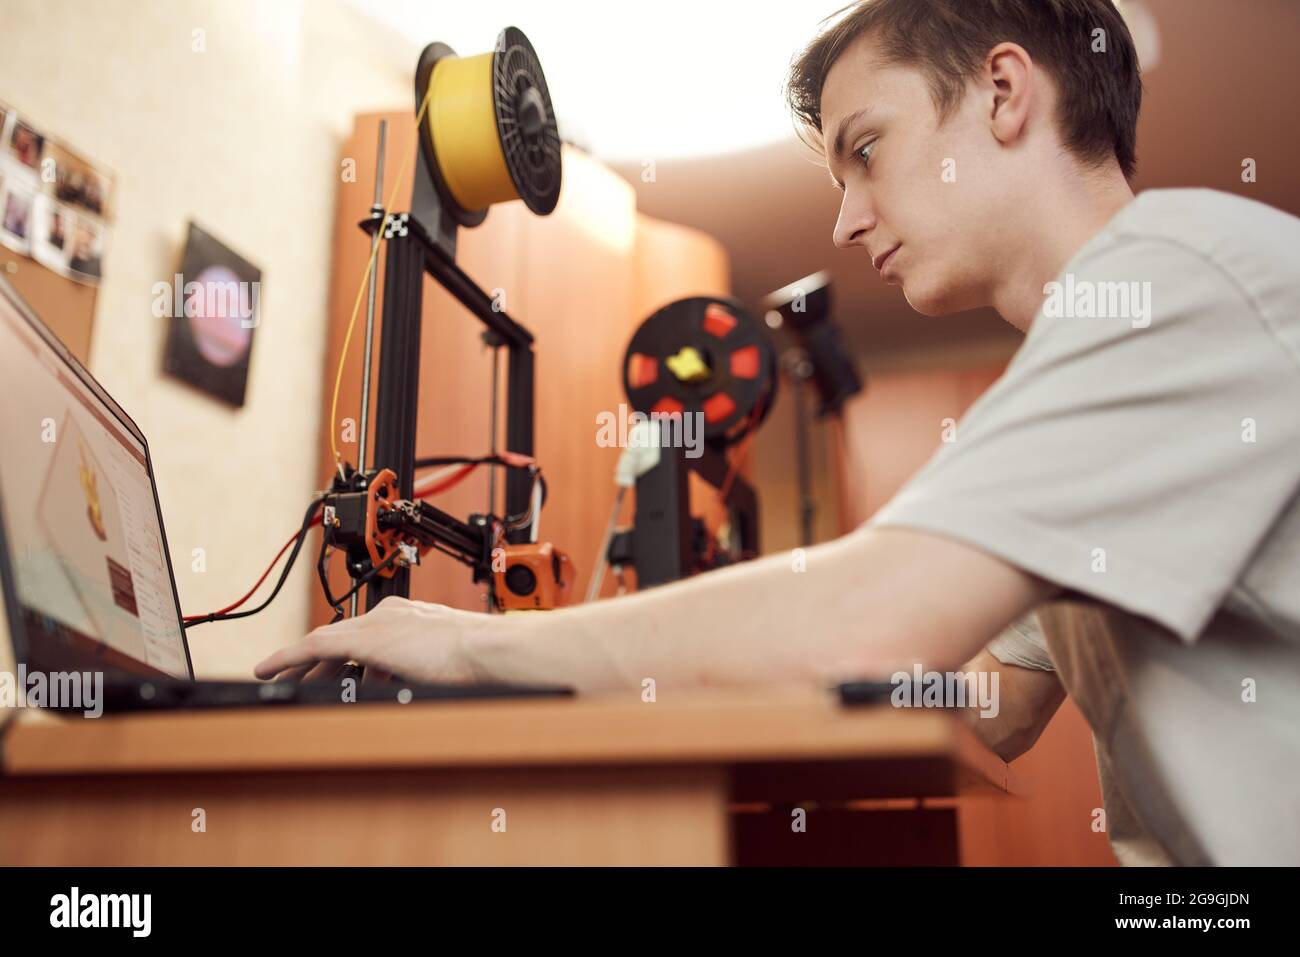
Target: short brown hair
(1100, 94)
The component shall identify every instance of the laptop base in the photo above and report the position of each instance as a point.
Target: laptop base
(154, 694)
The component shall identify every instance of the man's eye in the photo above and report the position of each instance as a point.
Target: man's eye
(864, 153)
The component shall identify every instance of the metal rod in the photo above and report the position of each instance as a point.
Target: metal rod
(457, 282)
(367, 360)
(370, 301)
(396, 395)
(519, 434)
(602, 556)
(492, 431)
(489, 599)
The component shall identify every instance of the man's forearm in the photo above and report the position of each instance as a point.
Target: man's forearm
(867, 603)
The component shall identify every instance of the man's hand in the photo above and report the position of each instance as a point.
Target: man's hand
(418, 641)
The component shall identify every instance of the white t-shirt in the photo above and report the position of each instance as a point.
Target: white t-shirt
(1142, 451)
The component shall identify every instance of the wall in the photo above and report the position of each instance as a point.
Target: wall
(244, 139)
(892, 427)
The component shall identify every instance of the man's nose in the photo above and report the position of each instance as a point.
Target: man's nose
(855, 221)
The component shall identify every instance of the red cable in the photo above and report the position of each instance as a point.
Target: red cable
(450, 482)
(258, 584)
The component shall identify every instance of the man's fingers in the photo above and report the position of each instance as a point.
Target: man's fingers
(326, 670)
(376, 676)
(293, 674)
(315, 648)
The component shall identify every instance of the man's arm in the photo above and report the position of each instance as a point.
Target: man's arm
(865, 604)
(1027, 700)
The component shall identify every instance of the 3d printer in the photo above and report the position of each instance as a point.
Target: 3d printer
(487, 134)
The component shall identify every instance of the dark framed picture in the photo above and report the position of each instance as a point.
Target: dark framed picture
(213, 309)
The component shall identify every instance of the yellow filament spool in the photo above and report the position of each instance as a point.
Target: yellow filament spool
(463, 128)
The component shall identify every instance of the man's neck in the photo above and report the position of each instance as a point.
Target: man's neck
(1065, 219)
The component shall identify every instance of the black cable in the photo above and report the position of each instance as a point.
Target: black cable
(288, 566)
(365, 579)
(513, 522)
(523, 519)
(322, 571)
(434, 461)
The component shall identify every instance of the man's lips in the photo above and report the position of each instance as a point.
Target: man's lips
(879, 261)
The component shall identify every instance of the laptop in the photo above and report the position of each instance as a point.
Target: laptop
(88, 586)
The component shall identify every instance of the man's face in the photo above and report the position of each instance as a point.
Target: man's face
(930, 192)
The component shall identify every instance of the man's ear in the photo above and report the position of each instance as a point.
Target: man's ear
(1010, 73)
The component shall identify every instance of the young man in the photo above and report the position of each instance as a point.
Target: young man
(1140, 457)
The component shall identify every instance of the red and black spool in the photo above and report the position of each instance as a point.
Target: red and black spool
(740, 386)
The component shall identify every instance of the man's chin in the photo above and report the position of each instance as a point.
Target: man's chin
(931, 302)
(926, 305)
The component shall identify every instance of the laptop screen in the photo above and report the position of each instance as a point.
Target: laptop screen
(85, 539)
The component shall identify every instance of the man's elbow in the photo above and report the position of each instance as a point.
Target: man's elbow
(1028, 700)
(1010, 743)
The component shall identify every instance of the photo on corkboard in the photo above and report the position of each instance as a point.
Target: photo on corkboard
(77, 183)
(52, 234)
(16, 201)
(213, 308)
(86, 250)
(26, 144)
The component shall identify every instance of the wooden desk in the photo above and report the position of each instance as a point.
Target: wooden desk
(708, 778)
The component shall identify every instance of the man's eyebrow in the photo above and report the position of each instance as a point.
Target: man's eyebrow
(842, 132)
